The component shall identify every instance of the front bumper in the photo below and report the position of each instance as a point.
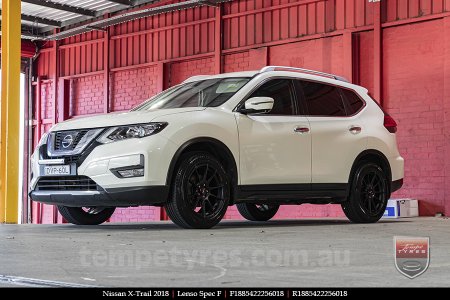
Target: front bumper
(116, 197)
(99, 163)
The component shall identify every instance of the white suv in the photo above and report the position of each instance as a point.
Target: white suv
(278, 136)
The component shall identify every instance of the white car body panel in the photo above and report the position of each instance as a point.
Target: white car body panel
(335, 148)
(271, 152)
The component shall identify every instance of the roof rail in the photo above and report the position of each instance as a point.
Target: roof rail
(307, 71)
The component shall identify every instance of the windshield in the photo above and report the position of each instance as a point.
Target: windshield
(203, 93)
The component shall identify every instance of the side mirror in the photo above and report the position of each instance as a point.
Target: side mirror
(257, 105)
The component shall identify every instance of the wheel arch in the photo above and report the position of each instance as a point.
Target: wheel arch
(216, 148)
(375, 156)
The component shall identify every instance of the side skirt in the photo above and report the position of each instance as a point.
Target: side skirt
(316, 193)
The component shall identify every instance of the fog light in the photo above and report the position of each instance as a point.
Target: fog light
(131, 173)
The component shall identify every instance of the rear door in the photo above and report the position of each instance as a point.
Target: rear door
(337, 130)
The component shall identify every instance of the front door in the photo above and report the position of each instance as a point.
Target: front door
(275, 148)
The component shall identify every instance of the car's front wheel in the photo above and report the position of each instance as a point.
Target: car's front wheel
(86, 215)
(257, 212)
(200, 192)
(368, 195)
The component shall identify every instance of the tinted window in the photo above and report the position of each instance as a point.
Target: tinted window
(354, 103)
(281, 92)
(322, 99)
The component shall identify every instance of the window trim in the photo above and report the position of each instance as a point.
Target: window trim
(262, 82)
(343, 99)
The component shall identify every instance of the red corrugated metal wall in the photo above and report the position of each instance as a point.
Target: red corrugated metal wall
(398, 49)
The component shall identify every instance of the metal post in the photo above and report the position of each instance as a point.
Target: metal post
(377, 53)
(10, 111)
(218, 40)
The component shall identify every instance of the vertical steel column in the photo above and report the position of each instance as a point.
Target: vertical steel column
(56, 104)
(55, 71)
(377, 53)
(348, 55)
(446, 108)
(38, 109)
(160, 78)
(10, 112)
(218, 40)
(106, 67)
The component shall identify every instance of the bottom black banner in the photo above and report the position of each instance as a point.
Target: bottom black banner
(221, 293)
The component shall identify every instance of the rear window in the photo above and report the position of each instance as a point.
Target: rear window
(322, 99)
(354, 102)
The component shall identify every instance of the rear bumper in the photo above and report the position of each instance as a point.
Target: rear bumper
(116, 197)
(396, 185)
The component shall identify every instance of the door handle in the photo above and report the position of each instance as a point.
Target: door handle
(355, 129)
(301, 129)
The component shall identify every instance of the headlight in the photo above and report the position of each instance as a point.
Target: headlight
(43, 139)
(119, 133)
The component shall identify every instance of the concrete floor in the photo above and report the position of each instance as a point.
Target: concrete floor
(285, 253)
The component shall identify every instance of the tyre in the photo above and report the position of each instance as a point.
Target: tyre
(368, 195)
(200, 192)
(86, 215)
(257, 212)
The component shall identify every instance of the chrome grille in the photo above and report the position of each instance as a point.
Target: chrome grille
(70, 143)
(67, 183)
(76, 136)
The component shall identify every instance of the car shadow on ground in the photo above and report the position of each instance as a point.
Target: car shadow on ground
(227, 224)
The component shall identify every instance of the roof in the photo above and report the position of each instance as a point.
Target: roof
(283, 71)
(41, 17)
(223, 75)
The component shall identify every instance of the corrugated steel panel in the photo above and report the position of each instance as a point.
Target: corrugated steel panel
(245, 23)
(256, 22)
(48, 13)
(163, 37)
(395, 10)
(60, 15)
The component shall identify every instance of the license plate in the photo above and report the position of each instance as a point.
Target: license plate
(57, 170)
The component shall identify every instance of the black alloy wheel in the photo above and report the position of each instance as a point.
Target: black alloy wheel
(200, 192)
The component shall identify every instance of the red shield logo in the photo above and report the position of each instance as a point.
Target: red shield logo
(412, 255)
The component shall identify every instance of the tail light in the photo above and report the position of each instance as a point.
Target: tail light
(390, 123)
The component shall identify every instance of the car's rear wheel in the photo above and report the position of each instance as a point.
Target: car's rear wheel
(86, 215)
(368, 195)
(257, 212)
(200, 192)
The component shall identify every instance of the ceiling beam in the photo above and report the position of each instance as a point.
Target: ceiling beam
(29, 29)
(123, 2)
(27, 33)
(41, 20)
(132, 15)
(209, 3)
(142, 2)
(64, 7)
(111, 10)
